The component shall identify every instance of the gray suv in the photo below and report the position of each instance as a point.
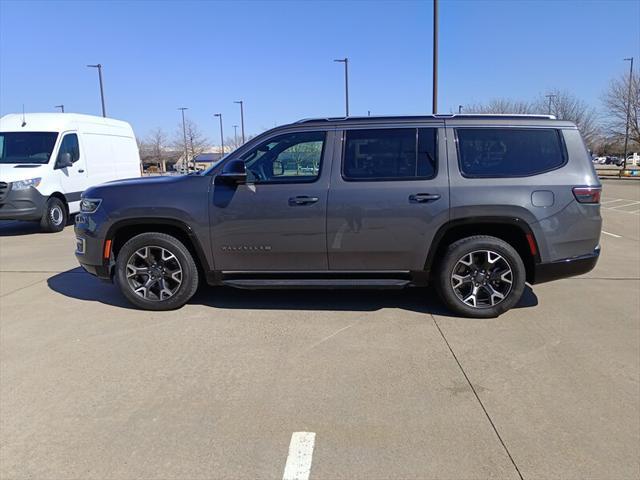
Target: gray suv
(475, 205)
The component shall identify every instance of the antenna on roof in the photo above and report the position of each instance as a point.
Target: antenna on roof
(24, 121)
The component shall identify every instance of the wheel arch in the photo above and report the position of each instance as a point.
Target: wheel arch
(513, 230)
(120, 232)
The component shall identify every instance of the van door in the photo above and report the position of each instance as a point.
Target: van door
(72, 178)
(277, 220)
(388, 197)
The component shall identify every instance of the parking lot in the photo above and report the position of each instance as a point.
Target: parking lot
(390, 384)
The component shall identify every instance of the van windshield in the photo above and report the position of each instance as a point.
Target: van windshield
(26, 147)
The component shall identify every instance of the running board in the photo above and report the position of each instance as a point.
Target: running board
(317, 283)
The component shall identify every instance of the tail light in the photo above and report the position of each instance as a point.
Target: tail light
(587, 194)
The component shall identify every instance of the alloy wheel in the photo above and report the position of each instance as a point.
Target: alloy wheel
(154, 273)
(482, 279)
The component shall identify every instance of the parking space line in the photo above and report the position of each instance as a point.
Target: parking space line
(298, 464)
(623, 206)
(612, 234)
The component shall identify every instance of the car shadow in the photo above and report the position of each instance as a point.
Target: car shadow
(14, 228)
(80, 285)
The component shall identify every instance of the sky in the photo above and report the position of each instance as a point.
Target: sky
(278, 56)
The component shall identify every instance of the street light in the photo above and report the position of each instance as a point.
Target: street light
(235, 134)
(626, 133)
(99, 67)
(61, 107)
(185, 164)
(435, 58)
(550, 97)
(221, 136)
(346, 81)
(241, 117)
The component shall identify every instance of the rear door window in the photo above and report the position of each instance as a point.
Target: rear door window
(390, 154)
(509, 152)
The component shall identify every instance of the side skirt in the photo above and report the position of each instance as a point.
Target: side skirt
(317, 279)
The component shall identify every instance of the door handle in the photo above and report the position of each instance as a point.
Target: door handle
(423, 197)
(302, 200)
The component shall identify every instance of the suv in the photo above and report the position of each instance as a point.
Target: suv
(477, 205)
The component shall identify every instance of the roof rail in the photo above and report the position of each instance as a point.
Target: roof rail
(424, 117)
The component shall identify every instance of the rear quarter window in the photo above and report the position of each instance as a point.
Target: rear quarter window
(509, 152)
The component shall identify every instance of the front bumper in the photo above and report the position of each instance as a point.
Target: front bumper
(28, 204)
(568, 267)
(89, 230)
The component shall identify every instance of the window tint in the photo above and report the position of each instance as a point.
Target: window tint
(508, 152)
(388, 154)
(70, 145)
(293, 157)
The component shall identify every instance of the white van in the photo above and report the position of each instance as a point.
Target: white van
(48, 159)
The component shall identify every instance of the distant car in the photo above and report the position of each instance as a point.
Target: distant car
(617, 161)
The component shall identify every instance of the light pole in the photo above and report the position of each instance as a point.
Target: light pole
(345, 60)
(626, 133)
(221, 137)
(61, 107)
(99, 67)
(185, 164)
(550, 97)
(241, 102)
(435, 58)
(235, 134)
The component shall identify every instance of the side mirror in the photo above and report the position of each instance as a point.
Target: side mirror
(233, 172)
(64, 160)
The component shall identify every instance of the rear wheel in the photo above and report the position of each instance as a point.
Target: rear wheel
(156, 271)
(55, 216)
(481, 277)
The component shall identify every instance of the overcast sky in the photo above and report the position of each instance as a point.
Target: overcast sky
(277, 56)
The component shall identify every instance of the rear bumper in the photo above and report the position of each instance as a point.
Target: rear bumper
(26, 204)
(569, 267)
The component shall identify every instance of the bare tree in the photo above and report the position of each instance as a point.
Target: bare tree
(196, 141)
(566, 106)
(501, 105)
(615, 105)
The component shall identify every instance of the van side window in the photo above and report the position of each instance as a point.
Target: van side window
(509, 152)
(292, 157)
(70, 145)
(390, 154)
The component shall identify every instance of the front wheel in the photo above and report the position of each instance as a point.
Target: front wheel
(481, 277)
(156, 271)
(54, 218)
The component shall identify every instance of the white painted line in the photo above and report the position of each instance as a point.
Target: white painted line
(617, 207)
(612, 234)
(298, 464)
(611, 201)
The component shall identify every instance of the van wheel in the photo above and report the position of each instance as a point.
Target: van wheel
(155, 271)
(55, 216)
(481, 277)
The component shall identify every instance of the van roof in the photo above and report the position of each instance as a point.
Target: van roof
(57, 122)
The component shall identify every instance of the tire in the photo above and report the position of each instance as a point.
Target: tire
(496, 270)
(55, 216)
(155, 271)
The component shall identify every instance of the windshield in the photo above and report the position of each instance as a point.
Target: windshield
(26, 147)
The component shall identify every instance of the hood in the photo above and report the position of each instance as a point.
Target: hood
(13, 172)
(133, 183)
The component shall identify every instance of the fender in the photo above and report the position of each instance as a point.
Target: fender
(471, 221)
(171, 222)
